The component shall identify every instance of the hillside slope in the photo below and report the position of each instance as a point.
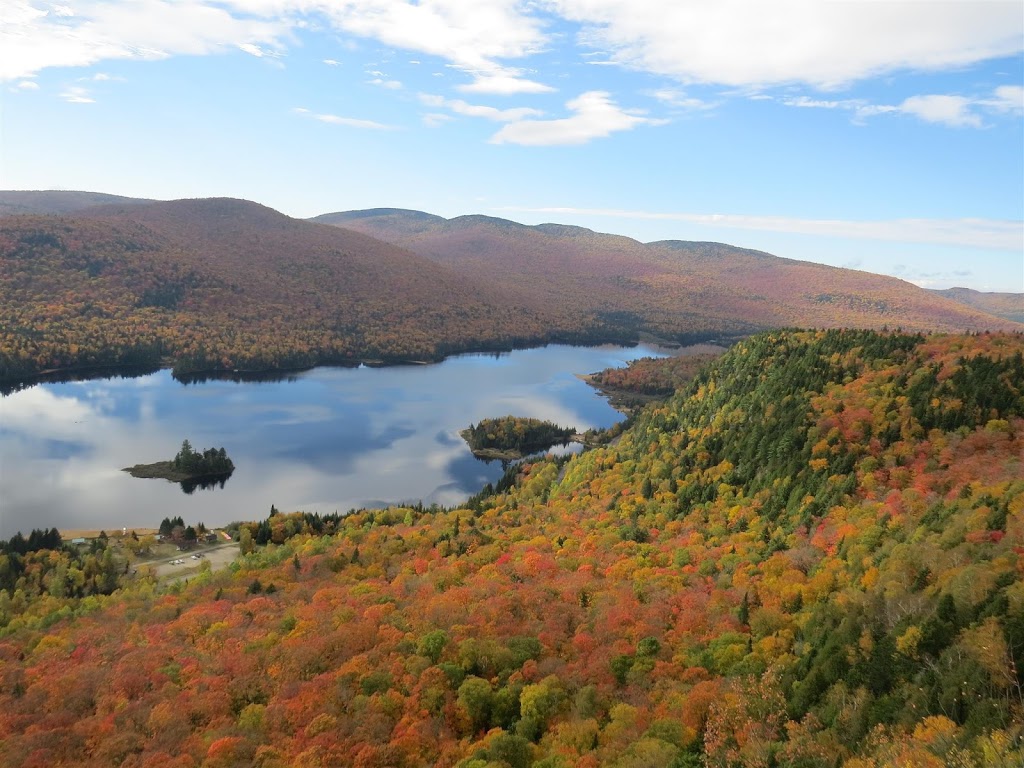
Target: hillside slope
(224, 284)
(809, 557)
(669, 288)
(1008, 305)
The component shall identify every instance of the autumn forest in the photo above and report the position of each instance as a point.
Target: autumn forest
(226, 285)
(808, 556)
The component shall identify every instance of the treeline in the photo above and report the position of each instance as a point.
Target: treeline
(36, 540)
(212, 461)
(278, 527)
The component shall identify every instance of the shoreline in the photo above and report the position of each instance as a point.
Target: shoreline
(624, 401)
(132, 370)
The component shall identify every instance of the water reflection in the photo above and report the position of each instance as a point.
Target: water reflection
(327, 439)
(189, 487)
(82, 374)
(238, 377)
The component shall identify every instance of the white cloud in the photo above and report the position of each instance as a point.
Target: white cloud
(678, 99)
(824, 44)
(503, 83)
(87, 31)
(434, 119)
(595, 116)
(807, 103)
(953, 110)
(730, 42)
(27, 85)
(476, 110)
(392, 85)
(980, 233)
(101, 77)
(252, 49)
(472, 34)
(1006, 98)
(77, 95)
(937, 108)
(331, 62)
(351, 122)
(861, 108)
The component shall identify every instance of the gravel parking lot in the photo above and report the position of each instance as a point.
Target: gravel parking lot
(183, 564)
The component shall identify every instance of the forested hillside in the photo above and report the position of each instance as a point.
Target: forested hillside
(226, 284)
(811, 556)
(674, 289)
(1008, 305)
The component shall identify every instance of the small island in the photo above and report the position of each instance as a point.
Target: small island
(188, 467)
(513, 437)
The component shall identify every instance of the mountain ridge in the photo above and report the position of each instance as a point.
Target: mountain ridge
(1001, 304)
(50, 201)
(224, 284)
(656, 280)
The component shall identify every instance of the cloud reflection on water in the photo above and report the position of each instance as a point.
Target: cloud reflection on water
(324, 440)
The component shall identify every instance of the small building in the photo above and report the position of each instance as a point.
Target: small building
(78, 540)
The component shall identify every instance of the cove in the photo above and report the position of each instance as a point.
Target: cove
(323, 440)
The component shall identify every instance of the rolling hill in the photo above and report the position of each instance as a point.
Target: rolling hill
(223, 284)
(668, 288)
(1007, 305)
(228, 284)
(51, 201)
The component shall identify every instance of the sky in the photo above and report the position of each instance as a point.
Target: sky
(871, 134)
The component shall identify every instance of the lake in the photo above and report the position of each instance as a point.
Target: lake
(323, 440)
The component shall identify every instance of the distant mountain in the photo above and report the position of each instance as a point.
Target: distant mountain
(668, 288)
(1007, 305)
(229, 284)
(14, 202)
(224, 284)
(400, 219)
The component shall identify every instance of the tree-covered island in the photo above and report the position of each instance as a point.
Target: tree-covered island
(512, 437)
(189, 465)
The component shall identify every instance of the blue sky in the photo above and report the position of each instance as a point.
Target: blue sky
(885, 136)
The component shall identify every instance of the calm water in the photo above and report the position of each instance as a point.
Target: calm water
(327, 439)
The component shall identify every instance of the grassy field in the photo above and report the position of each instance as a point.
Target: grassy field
(67, 534)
